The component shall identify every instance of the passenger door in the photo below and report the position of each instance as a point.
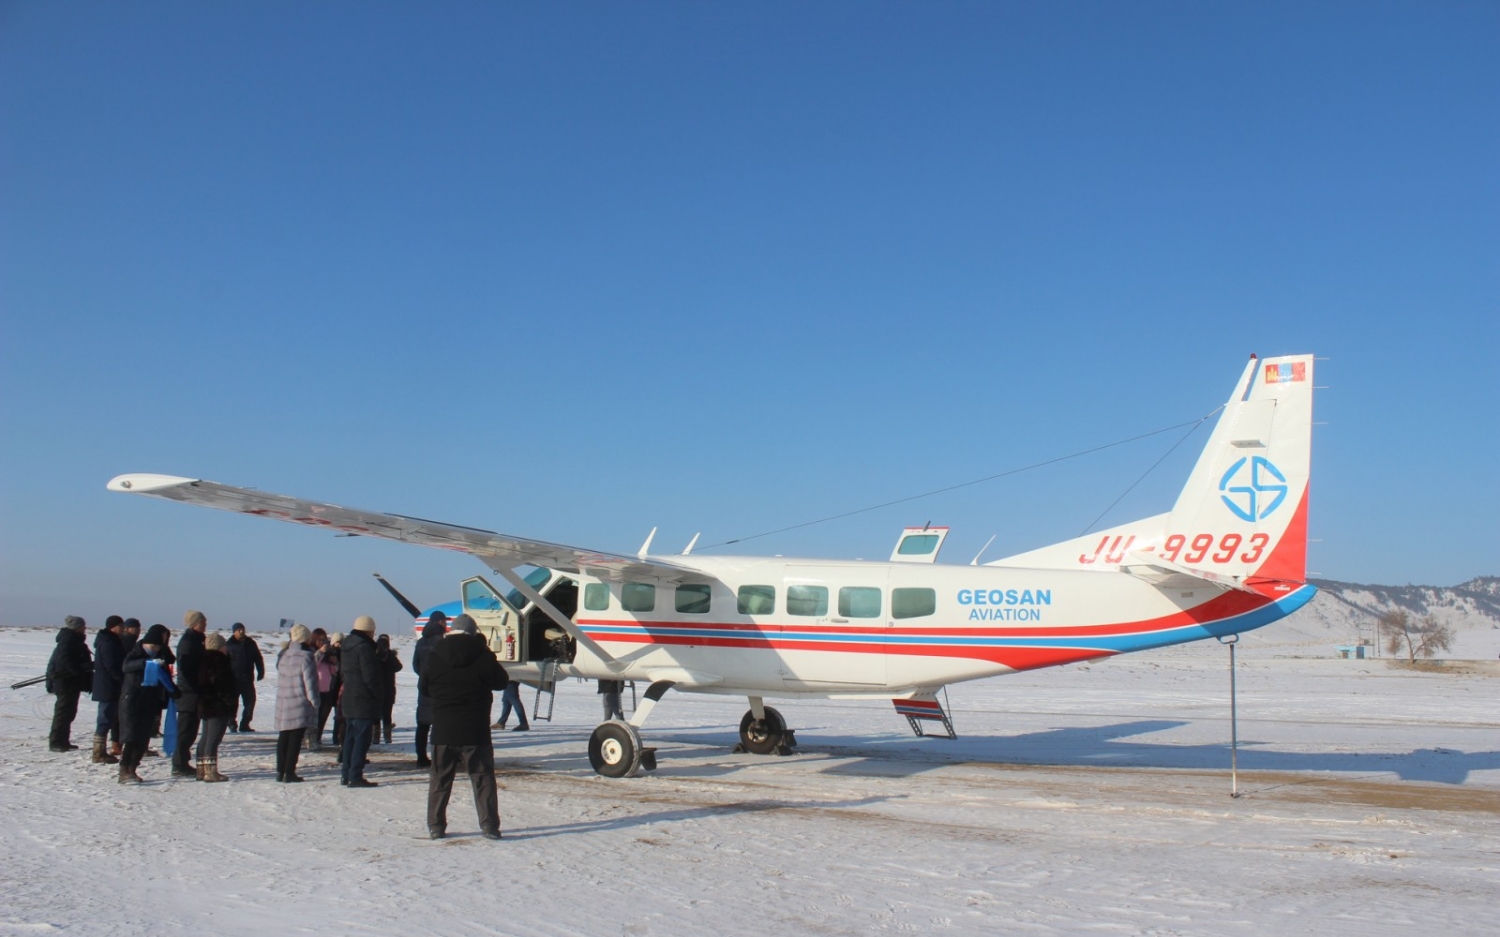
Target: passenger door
(498, 621)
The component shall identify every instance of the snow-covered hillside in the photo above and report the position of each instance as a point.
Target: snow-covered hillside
(1343, 613)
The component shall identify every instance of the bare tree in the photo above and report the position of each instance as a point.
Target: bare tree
(1423, 637)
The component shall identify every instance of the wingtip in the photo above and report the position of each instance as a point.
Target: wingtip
(140, 483)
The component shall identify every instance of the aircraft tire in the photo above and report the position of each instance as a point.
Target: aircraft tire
(762, 737)
(615, 749)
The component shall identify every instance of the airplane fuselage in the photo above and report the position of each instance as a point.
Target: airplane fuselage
(872, 629)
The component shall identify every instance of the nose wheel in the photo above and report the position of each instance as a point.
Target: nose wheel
(766, 736)
(615, 751)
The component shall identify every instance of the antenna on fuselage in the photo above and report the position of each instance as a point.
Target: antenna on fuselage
(647, 545)
(692, 543)
(975, 560)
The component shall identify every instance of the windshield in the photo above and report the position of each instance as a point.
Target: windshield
(535, 579)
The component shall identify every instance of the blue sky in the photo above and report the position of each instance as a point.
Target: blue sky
(573, 271)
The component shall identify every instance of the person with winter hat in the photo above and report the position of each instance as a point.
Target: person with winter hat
(145, 685)
(363, 698)
(189, 663)
(218, 692)
(461, 676)
(390, 665)
(70, 671)
(109, 657)
(130, 633)
(326, 660)
(432, 632)
(249, 667)
(296, 701)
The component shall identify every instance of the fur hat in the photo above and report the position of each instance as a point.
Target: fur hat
(75, 623)
(365, 623)
(193, 618)
(157, 634)
(300, 634)
(465, 624)
(214, 642)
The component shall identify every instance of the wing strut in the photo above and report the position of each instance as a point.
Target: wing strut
(562, 621)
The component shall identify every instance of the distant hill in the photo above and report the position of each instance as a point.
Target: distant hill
(1344, 612)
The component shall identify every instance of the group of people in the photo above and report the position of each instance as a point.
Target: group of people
(210, 680)
(351, 679)
(133, 682)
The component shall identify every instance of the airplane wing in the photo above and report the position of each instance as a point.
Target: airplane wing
(496, 550)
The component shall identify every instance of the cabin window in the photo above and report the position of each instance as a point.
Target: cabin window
(918, 545)
(807, 600)
(859, 602)
(757, 600)
(693, 599)
(913, 603)
(596, 596)
(638, 597)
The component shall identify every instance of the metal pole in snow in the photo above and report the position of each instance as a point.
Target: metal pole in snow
(1234, 722)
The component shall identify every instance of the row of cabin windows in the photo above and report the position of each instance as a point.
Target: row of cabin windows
(809, 601)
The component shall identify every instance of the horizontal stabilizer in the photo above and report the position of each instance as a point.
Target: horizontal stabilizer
(1168, 575)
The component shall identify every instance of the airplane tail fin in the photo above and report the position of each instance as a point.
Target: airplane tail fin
(1243, 511)
(1240, 522)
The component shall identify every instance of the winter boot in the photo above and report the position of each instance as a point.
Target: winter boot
(116, 749)
(100, 755)
(212, 774)
(200, 770)
(128, 775)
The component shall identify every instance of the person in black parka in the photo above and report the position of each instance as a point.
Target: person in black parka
(432, 632)
(141, 703)
(249, 666)
(390, 665)
(460, 676)
(363, 698)
(189, 664)
(109, 657)
(70, 672)
(218, 692)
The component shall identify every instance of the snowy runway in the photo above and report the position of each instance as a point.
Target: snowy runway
(1089, 798)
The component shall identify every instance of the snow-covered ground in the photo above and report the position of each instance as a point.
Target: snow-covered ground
(1082, 799)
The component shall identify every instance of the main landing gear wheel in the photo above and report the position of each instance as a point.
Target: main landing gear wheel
(766, 736)
(615, 749)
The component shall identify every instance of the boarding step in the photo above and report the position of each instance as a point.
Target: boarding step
(546, 686)
(922, 711)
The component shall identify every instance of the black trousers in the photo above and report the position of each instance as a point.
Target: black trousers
(288, 748)
(131, 754)
(187, 733)
(247, 704)
(479, 764)
(64, 710)
(422, 729)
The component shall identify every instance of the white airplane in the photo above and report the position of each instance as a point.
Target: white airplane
(1230, 556)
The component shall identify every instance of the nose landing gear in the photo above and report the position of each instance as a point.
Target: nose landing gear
(615, 750)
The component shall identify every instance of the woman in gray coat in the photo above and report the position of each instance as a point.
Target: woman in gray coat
(296, 701)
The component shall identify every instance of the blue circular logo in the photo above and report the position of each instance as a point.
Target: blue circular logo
(1260, 489)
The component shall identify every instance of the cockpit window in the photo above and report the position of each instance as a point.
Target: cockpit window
(535, 579)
